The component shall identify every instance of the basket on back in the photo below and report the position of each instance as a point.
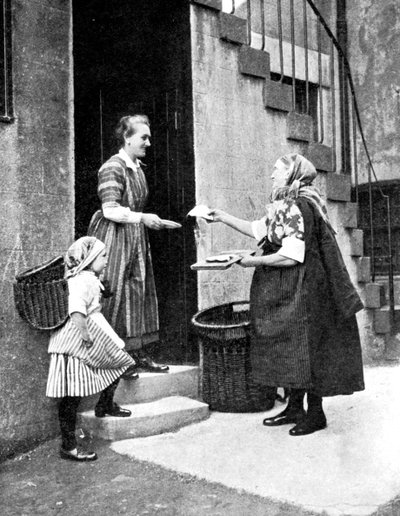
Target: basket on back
(41, 295)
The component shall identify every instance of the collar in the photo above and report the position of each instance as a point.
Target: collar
(134, 165)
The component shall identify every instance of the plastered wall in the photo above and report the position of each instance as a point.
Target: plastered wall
(37, 199)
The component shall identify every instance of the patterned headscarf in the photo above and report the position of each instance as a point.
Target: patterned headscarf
(299, 183)
(81, 254)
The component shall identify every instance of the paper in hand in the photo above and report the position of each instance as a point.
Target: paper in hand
(201, 210)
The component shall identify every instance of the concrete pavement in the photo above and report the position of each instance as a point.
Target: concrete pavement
(350, 468)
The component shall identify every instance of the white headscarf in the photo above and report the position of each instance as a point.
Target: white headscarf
(299, 183)
(81, 254)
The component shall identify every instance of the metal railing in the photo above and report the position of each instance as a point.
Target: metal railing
(317, 68)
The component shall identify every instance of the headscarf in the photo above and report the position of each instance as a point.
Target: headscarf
(81, 254)
(299, 183)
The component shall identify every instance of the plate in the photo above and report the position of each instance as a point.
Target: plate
(170, 224)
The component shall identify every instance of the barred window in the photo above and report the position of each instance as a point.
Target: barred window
(6, 100)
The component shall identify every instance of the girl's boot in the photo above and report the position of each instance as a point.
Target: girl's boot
(106, 405)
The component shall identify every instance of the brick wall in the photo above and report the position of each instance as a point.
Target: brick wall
(37, 195)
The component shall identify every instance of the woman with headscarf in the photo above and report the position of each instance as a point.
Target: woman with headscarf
(302, 301)
(86, 355)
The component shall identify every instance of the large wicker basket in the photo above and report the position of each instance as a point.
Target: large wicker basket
(224, 341)
(41, 295)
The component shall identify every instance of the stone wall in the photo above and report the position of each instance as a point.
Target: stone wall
(37, 196)
(374, 55)
(236, 142)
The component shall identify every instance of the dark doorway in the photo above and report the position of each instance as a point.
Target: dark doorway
(132, 57)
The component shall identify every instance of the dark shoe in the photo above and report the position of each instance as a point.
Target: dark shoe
(309, 425)
(148, 364)
(115, 411)
(286, 417)
(80, 456)
(130, 373)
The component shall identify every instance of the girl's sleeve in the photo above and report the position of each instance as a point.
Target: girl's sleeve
(291, 224)
(111, 186)
(79, 296)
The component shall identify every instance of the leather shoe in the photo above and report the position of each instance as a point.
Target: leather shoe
(148, 364)
(130, 373)
(309, 425)
(284, 418)
(115, 411)
(78, 456)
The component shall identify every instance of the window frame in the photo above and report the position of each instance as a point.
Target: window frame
(6, 86)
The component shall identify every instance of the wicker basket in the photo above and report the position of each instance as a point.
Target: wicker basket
(224, 341)
(41, 295)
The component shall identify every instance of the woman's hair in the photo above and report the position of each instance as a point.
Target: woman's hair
(127, 126)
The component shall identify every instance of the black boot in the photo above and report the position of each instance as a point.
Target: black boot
(315, 419)
(146, 363)
(293, 413)
(106, 406)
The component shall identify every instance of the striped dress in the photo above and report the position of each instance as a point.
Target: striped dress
(303, 337)
(132, 310)
(75, 370)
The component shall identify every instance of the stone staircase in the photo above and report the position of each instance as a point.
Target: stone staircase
(159, 403)
(378, 331)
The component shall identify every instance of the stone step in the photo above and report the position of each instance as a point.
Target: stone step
(157, 417)
(179, 381)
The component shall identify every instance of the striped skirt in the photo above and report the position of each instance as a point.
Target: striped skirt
(132, 310)
(77, 371)
(280, 351)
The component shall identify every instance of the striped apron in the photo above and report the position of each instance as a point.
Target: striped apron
(77, 371)
(132, 310)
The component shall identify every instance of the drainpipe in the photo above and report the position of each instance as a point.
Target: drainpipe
(341, 30)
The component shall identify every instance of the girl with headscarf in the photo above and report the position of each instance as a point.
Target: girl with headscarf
(86, 355)
(302, 301)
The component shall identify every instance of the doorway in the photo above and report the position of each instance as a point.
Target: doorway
(134, 57)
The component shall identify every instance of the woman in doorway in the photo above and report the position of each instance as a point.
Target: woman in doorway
(132, 310)
(302, 301)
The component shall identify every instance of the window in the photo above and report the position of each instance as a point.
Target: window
(380, 224)
(6, 104)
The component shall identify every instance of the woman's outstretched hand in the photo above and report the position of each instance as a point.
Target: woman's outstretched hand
(152, 221)
(217, 215)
